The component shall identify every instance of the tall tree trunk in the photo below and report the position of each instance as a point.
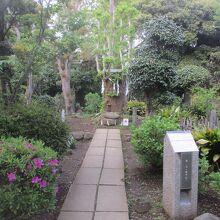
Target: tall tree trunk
(97, 54)
(18, 34)
(64, 72)
(112, 10)
(129, 41)
(120, 52)
(114, 103)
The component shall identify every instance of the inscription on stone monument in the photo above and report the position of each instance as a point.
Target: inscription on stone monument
(186, 170)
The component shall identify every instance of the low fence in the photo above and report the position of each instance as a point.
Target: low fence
(212, 121)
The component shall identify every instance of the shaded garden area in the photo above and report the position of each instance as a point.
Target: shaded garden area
(68, 67)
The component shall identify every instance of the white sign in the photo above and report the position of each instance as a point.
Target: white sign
(125, 122)
(63, 115)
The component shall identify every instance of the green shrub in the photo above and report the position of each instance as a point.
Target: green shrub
(208, 179)
(190, 76)
(37, 122)
(204, 170)
(204, 100)
(28, 173)
(166, 99)
(208, 141)
(141, 107)
(148, 139)
(93, 102)
(46, 100)
(174, 112)
(215, 182)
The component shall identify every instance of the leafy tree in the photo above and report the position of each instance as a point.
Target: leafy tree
(113, 35)
(11, 14)
(27, 24)
(10, 17)
(84, 79)
(71, 27)
(190, 76)
(195, 17)
(153, 68)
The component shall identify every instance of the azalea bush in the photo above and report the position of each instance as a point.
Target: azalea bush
(28, 172)
(148, 139)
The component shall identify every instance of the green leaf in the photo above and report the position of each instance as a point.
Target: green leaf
(205, 150)
(216, 157)
(202, 142)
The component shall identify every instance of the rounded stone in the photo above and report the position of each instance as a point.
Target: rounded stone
(109, 122)
(142, 207)
(111, 115)
(88, 135)
(207, 216)
(78, 135)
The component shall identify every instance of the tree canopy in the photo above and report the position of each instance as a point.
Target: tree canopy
(43, 42)
(153, 66)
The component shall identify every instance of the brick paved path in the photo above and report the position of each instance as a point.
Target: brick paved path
(98, 191)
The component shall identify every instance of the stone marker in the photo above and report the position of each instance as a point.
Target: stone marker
(180, 175)
(213, 119)
(134, 115)
(207, 216)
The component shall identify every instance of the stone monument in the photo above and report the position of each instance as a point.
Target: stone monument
(180, 175)
(213, 119)
(134, 115)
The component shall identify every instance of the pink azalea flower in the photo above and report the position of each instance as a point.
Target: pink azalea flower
(53, 163)
(43, 183)
(36, 179)
(29, 145)
(38, 163)
(11, 177)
